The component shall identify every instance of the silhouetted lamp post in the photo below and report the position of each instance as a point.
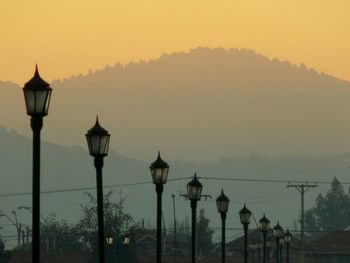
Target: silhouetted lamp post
(281, 247)
(264, 227)
(194, 192)
(288, 240)
(268, 247)
(252, 248)
(37, 95)
(222, 203)
(245, 217)
(277, 233)
(159, 171)
(98, 143)
(126, 240)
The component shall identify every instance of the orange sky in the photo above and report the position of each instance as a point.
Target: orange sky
(68, 37)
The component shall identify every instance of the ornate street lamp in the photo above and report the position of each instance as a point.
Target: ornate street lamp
(288, 240)
(264, 228)
(159, 171)
(245, 217)
(126, 240)
(109, 240)
(37, 95)
(222, 203)
(98, 143)
(194, 192)
(277, 233)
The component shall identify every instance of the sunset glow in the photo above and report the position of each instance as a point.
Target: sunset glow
(71, 37)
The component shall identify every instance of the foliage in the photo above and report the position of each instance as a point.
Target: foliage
(60, 236)
(331, 212)
(116, 220)
(204, 234)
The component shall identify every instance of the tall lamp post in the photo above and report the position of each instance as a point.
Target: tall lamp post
(37, 94)
(264, 228)
(277, 233)
(98, 143)
(245, 217)
(159, 171)
(194, 192)
(288, 240)
(222, 203)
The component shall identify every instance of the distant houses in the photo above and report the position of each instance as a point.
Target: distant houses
(331, 247)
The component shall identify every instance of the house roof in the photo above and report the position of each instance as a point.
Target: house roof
(334, 242)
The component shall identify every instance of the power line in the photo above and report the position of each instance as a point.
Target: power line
(175, 179)
(77, 189)
(268, 180)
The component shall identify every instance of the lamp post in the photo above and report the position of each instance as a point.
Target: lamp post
(281, 247)
(277, 233)
(159, 171)
(252, 248)
(288, 240)
(98, 143)
(245, 217)
(194, 192)
(222, 203)
(37, 94)
(258, 245)
(268, 246)
(264, 228)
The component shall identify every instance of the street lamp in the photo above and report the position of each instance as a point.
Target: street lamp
(281, 247)
(252, 248)
(37, 95)
(264, 228)
(245, 216)
(194, 192)
(277, 233)
(159, 171)
(288, 240)
(126, 240)
(98, 143)
(222, 203)
(268, 245)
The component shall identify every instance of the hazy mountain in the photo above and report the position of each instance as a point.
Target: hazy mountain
(203, 105)
(72, 167)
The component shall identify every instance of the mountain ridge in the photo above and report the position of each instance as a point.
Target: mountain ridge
(201, 106)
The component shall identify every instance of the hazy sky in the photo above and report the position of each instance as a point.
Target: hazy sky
(68, 37)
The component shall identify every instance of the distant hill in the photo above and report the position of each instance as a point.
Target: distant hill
(203, 105)
(72, 168)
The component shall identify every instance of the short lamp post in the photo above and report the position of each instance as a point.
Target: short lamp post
(259, 251)
(194, 192)
(252, 248)
(268, 247)
(98, 143)
(222, 203)
(277, 233)
(37, 95)
(159, 171)
(288, 240)
(264, 228)
(245, 217)
(281, 247)
(113, 244)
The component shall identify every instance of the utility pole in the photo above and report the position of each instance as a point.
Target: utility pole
(175, 241)
(302, 189)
